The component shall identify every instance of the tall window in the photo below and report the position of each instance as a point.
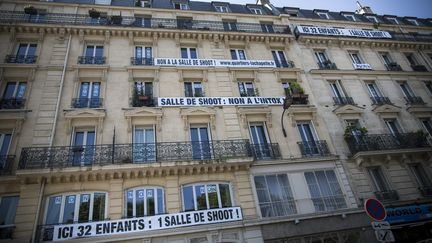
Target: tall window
(378, 179)
(428, 85)
(89, 95)
(421, 176)
(200, 140)
(143, 55)
(411, 59)
(5, 140)
(238, 54)
(260, 141)
(355, 58)
(83, 147)
(406, 90)
(193, 89)
(144, 21)
(247, 89)
(275, 195)
(72, 208)
(204, 196)
(256, 11)
(413, 22)
(279, 58)
(188, 52)
(230, 25)
(8, 207)
(427, 125)
(321, 56)
(392, 20)
(309, 138)
(144, 149)
(145, 201)
(386, 58)
(93, 54)
(325, 190)
(13, 95)
(144, 88)
(393, 126)
(267, 27)
(373, 90)
(25, 53)
(337, 90)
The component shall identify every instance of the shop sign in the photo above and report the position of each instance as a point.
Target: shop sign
(320, 30)
(409, 213)
(134, 225)
(363, 66)
(186, 62)
(219, 101)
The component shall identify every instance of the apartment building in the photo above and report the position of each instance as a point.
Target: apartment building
(184, 121)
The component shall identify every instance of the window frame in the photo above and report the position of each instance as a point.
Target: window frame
(321, 56)
(323, 15)
(134, 205)
(14, 217)
(373, 84)
(194, 87)
(312, 128)
(427, 128)
(28, 44)
(417, 173)
(392, 20)
(3, 134)
(428, 85)
(244, 85)
(95, 46)
(336, 85)
(256, 11)
(217, 183)
(17, 85)
(188, 52)
(222, 8)
(390, 129)
(386, 186)
(356, 55)
(237, 54)
(407, 92)
(143, 90)
(413, 22)
(411, 57)
(181, 6)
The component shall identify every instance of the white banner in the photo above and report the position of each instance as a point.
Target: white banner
(166, 221)
(311, 30)
(184, 62)
(364, 66)
(218, 101)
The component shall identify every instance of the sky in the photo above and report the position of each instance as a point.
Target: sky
(416, 8)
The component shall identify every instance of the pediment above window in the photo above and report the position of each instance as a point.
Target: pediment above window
(137, 115)
(387, 109)
(302, 113)
(95, 117)
(349, 111)
(198, 115)
(254, 114)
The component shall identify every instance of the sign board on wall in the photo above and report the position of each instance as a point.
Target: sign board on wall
(320, 30)
(185, 62)
(158, 222)
(219, 101)
(362, 66)
(409, 213)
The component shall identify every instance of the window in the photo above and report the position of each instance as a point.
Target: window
(386, 58)
(8, 207)
(256, 11)
(143, 55)
(309, 138)
(421, 175)
(373, 90)
(144, 88)
(325, 190)
(378, 179)
(350, 17)
(83, 142)
(200, 140)
(337, 89)
(188, 52)
(321, 57)
(222, 9)
(238, 54)
(274, 195)
(279, 58)
(392, 126)
(144, 21)
(413, 22)
(247, 89)
(88, 96)
(93, 54)
(15, 90)
(323, 15)
(267, 27)
(260, 141)
(193, 89)
(286, 88)
(392, 20)
(428, 85)
(206, 196)
(411, 59)
(76, 208)
(372, 19)
(5, 141)
(143, 3)
(230, 25)
(406, 90)
(144, 148)
(182, 6)
(427, 125)
(355, 57)
(25, 53)
(145, 201)
(184, 23)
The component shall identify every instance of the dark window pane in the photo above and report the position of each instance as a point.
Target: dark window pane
(150, 196)
(225, 195)
(84, 208)
(8, 208)
(160, 199)
(9, 91)
(139, 203)
(212, 196)
(69, 209)
(129, 204)
(53, 211)
(99, 207)
(184, 53)
(188, 200)
(200, 197)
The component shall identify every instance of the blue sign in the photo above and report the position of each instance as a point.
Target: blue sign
(409, 213)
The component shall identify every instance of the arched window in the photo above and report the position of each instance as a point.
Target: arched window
(144, 201)
(203, 196)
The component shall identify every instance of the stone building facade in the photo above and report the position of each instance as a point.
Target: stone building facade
(177, 121)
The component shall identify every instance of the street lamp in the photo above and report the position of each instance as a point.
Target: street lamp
(287, 103)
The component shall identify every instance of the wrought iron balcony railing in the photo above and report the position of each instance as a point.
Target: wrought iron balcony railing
(386, 196)
(14, 103)
(327, 65)
(343, 101)
(87, 102)
(6, 232)
(142, 61)
(12, 17)
(379, 100)
(426, 191)
(91, 60)
(419, 68)
(143, 101)
(284, 64)
(20, 59)
(393, 67)
(379, 142)
(299, 99)
(266, 151)
(6, 164)
(414, 100)
(314, 148)
(108, 154)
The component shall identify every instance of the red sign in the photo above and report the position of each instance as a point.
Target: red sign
(375, 209)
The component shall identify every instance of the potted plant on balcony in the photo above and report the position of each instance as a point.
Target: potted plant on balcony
(29, 9)
(94, 13)
(420, 138)
(116, 19)
(351, 131)
(297, 93)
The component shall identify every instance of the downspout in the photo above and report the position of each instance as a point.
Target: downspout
(43, 181)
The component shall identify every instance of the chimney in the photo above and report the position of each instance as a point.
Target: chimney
(363, 9)
(268, 5)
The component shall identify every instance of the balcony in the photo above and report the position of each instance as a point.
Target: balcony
(266, 151)
(20, 59)
(118, 154)
(143, 101)
(393, 67)
(6, 232)
(387, 196)
(87, 102)
(327, 65)
(91, 60)
(378, 100)
(13, 103)
(6, 164)
(299, 99)
(314, 148)
(414, 100)
(419, 68)
(14, 17)
(142, 61)
(380, 142)
(426, 191)
(343, 101)
(284, 64)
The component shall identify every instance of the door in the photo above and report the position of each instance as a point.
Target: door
(83, 147)
(259, 140)
(144, 149)
(200, 142)
(309, 138)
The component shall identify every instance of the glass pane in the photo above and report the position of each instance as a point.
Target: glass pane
(188, 89)
(200, 197)
(273, 188)
(84, 90)
(4, 148)
(184, 53)
(89, 51)
(99, 207)
(148, 88)
(194, 134)
(193, 53)
(22, 48)
(253, 131)
(95, 90)
(79, 138)
(84, 208)
(149, 135)
(138, 52)
(160, 199)
(8, 208)
(90, 138)
(69, 210)
(212, 196)
(9, 91)
(188, 200)
(139, 203)
(242, 55)
(99, 51)
(261, 135)
(53, 210)
(31, 50)
(233, 55)
(150, 196)
(203, 134)
(129, 204)
(225, 195)
(148, 52)
(21, 90)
